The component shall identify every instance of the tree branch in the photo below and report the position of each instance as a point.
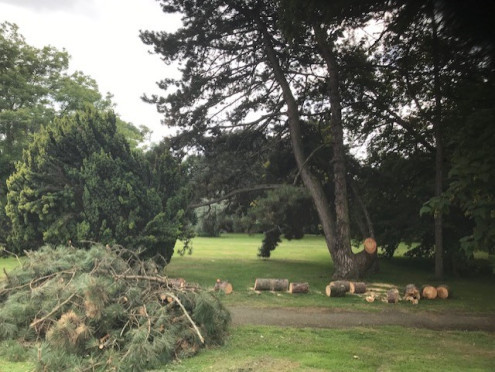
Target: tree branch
(235, 192)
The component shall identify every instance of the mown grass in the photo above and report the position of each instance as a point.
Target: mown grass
(233, 257)
(357, 349)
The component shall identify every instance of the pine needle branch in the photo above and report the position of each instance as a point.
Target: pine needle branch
(55, 309)
(187, 316)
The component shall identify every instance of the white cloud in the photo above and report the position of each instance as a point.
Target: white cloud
(51, 5)
(104, 43)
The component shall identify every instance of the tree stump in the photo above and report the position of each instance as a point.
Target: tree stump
(358, 287)
(271, 284)
(411, 294)
(370, 245)
(298, 288)
(393, 296)
(335, 290)
(443, 292)
(223, 285)
(429, 292)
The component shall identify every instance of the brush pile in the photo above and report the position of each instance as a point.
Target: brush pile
(105, 309)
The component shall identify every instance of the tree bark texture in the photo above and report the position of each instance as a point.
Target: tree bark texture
(437, 132)
(333, 290)
(312, 184)
(359, 287)
(347, 264)
(393, 296)
(349, 286)
(298, 288)
(263, 284)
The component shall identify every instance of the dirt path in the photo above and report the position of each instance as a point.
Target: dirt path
(325, 318)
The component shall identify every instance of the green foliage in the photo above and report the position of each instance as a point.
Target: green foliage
(270, 242)
(79, 181)
(286, 210)
(35, 87)
(12, 351)
(102, 309)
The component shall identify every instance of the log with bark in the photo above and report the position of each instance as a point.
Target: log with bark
(370, 245)
(223, 285)
(298, 287)
(358, 287)
(336, 289)
(443, 292)
(411, 294)
(262, 284)
(429, 292)
(349, 286)
(393, 296)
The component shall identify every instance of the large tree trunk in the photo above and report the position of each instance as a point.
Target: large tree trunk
(312, 184)
(350, 265)
(337, 235)
(437, 132)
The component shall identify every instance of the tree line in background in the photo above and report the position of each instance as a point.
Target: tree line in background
(274, 101)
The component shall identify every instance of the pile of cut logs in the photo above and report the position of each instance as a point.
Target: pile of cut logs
(264, 284)
(413, 294)
(341, 287)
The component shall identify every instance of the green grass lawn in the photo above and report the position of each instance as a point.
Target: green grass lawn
(357, 349)
(233, 257)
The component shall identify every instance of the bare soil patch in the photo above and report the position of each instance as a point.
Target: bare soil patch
(329, 318)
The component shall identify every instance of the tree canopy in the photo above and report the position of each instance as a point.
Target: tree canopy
(36, 88)
(275, 69)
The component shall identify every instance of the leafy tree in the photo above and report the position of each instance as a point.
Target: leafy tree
(241, 71)
(282, 211)
(79, 181)
(411, 102)
(35, 87)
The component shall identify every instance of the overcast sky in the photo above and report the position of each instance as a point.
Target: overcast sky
(102, 37)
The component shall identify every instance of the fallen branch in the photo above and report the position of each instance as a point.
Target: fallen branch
(187, 315)
(55, 309)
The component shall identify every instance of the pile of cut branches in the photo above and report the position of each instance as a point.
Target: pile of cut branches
(105, 309)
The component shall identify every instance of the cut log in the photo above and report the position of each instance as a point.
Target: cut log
(335, 290)
(428, 292)
(349, 286)
(223, 285)
(358, 287)
(271, 284)
(393, 296)
(443, 292)
(370, 245)
(176, 282)
(371, 297)
(298, 288)
(411, 293)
